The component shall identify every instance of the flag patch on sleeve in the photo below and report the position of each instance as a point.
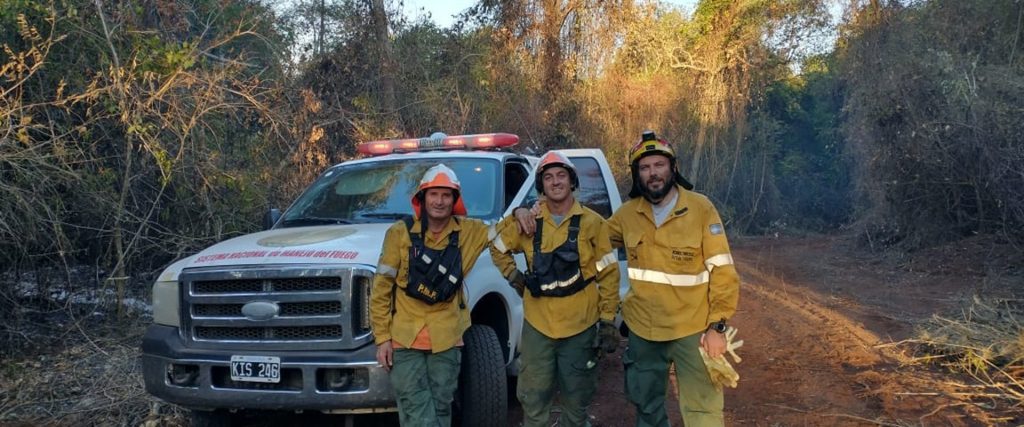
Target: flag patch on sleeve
(715, 228)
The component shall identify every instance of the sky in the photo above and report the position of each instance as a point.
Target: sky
(441, 11)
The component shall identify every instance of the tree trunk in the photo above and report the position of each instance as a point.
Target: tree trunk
(552, 46)
(320, 36)
(387, 65)
(119, 276)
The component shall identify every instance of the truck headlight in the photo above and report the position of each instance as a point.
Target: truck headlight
(165, 304)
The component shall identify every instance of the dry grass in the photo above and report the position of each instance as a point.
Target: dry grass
(986, 342)
(92, 379)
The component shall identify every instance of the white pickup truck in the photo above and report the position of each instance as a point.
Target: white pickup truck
(279, 319)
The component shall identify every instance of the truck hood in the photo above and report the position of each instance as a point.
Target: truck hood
(329, 244)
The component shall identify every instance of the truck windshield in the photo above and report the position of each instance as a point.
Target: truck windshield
(381, 191)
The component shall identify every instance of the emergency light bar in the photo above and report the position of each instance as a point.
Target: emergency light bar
(439, 141)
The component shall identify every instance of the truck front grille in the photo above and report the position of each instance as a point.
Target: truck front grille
(294, 309)
(313, 308)
(294, 333)
(295, 284)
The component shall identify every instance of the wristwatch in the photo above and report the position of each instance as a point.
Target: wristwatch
(718, 326)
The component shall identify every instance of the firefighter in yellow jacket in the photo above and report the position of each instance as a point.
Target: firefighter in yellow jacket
(417, 306)
(570, 296)
(683, 288)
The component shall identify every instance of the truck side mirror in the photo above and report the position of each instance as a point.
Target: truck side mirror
(270, 218)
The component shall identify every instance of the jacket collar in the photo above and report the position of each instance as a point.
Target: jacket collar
(420, 227)
(545, 213)
(645, 207)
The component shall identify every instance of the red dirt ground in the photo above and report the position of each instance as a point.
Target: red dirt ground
(819, 316)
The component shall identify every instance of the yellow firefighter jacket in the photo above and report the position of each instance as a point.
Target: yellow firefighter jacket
(446, 321)
(681, 274)
(561, 317)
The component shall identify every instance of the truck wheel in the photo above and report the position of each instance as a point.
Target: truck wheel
(482, 397)
(211, 419)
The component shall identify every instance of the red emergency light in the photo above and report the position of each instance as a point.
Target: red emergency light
(480, 141)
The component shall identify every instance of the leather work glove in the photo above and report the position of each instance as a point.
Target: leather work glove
(518, 282)
(608, 335)
(719, 369)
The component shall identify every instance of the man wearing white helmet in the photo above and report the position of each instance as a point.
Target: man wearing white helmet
(570, 287)
(417, 307)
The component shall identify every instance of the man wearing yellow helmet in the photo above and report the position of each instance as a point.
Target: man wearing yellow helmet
(683, 288)
(570, 288)
(416, 307)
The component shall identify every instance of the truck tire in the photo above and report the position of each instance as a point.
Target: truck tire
(211, 419)
(482, 397)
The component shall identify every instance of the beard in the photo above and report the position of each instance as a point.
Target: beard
(655, 196)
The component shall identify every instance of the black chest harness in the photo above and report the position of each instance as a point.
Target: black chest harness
(435, 275)
(557, 273)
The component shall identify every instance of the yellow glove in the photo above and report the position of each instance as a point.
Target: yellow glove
(719, 369)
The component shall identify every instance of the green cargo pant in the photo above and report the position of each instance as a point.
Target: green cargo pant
(646, 364)
(568, 365)
(424, 385)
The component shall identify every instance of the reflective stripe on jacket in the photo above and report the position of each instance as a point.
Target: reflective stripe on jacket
(447, 320)
(681, 275)
(560, 317)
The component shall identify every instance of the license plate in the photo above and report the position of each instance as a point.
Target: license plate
(258, 369)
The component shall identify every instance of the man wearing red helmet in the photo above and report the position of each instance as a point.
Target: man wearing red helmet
(570, 296)
(417, 308)
(683, 288)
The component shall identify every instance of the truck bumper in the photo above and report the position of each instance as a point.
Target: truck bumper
(343, 381)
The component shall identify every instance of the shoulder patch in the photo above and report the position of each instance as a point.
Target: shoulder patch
(715, 229)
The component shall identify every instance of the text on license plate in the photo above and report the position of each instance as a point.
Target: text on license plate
(260, 369)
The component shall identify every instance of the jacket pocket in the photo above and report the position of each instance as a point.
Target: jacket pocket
(688, 258)
(684, 254)
(633, 242)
